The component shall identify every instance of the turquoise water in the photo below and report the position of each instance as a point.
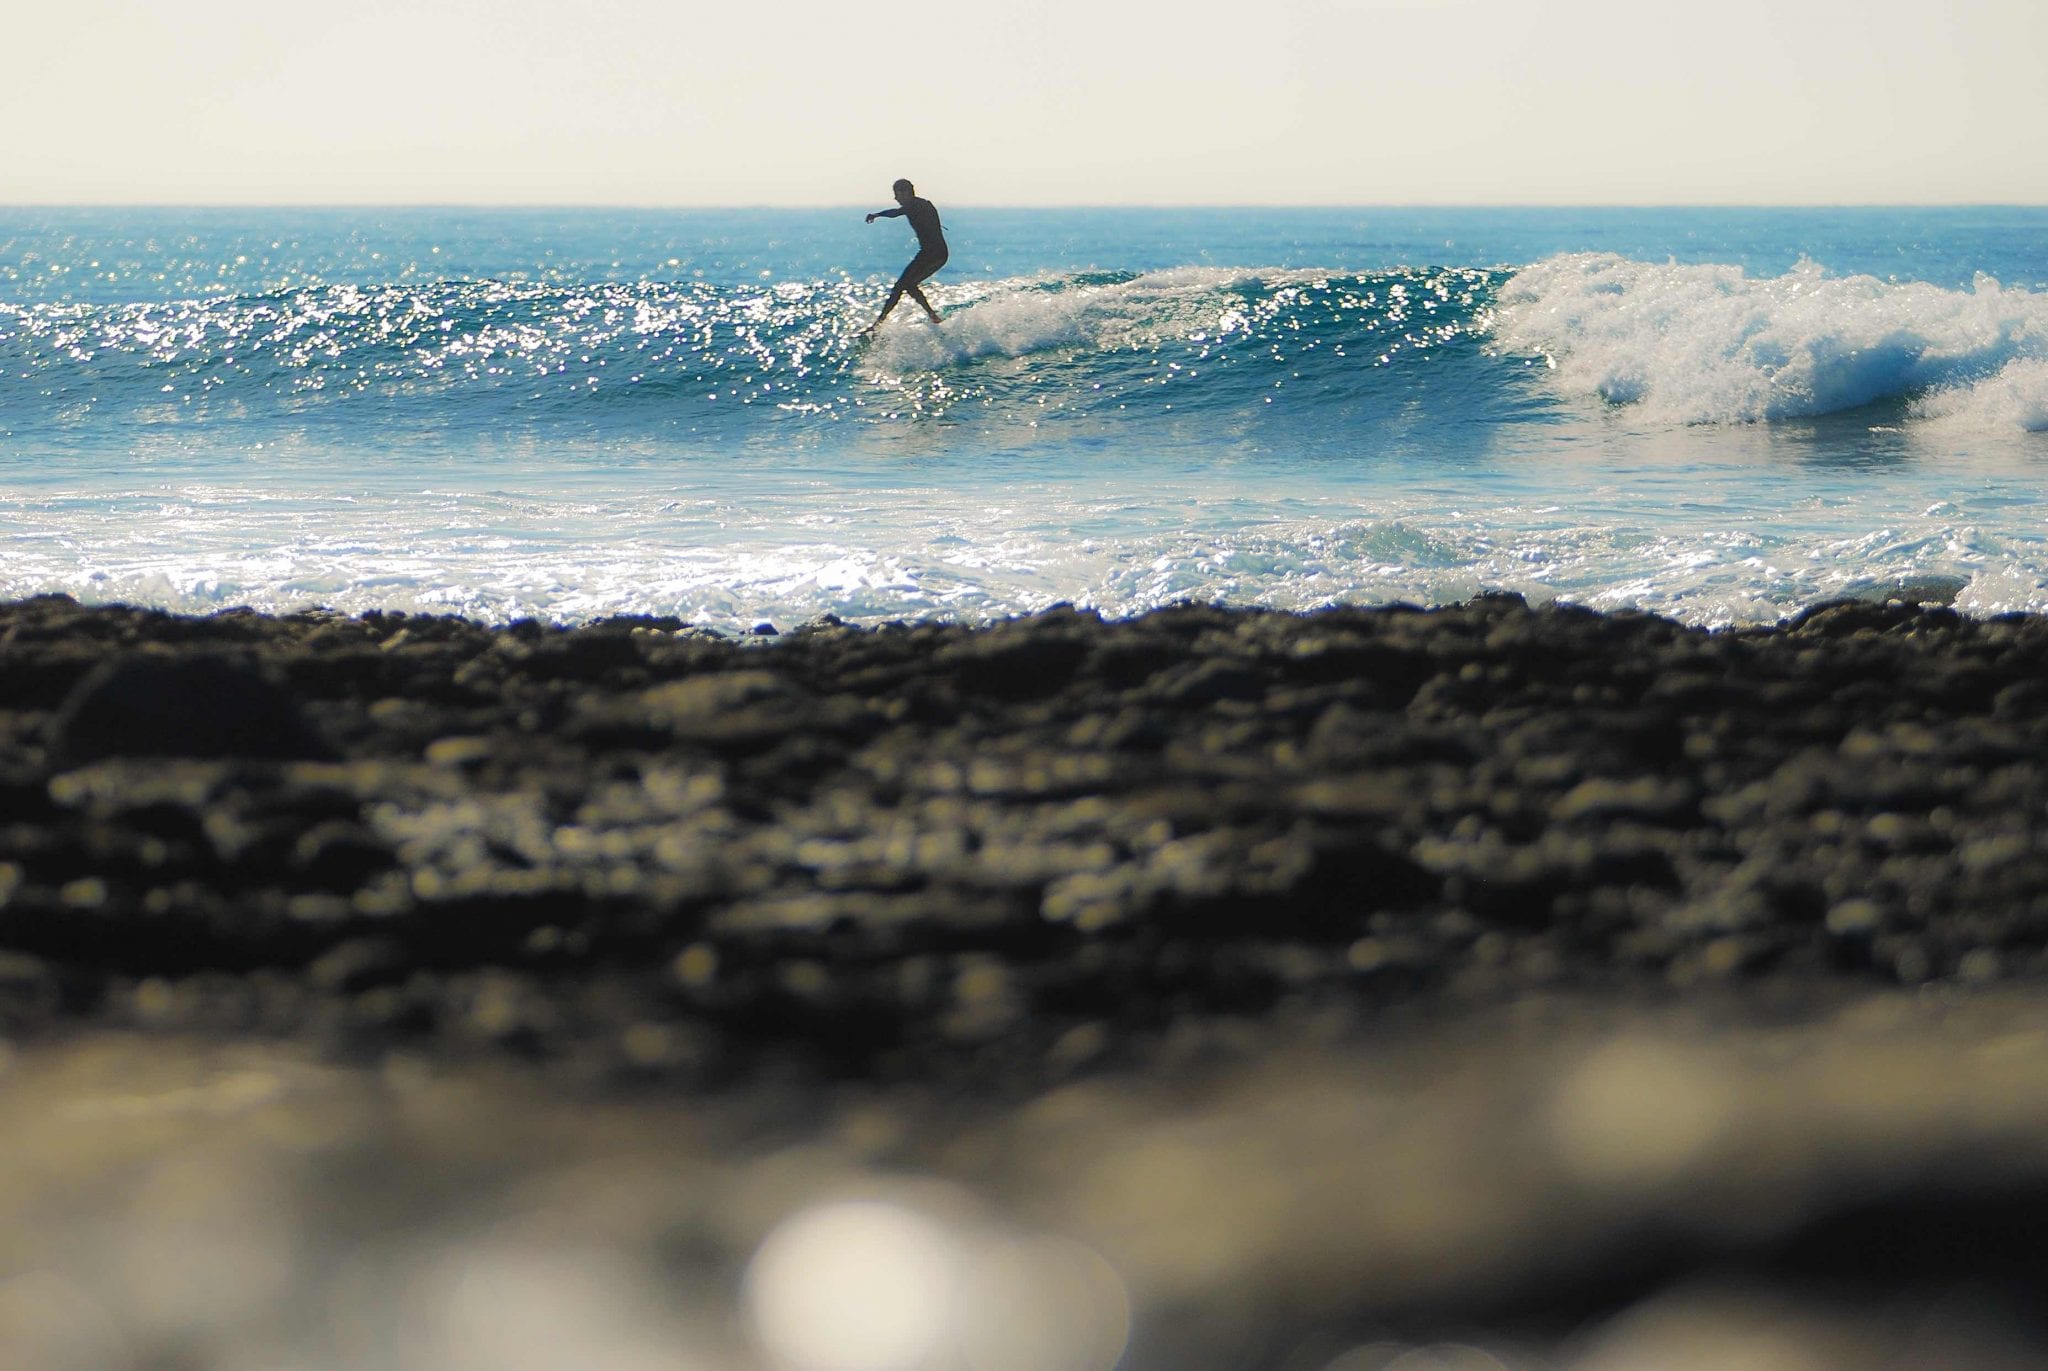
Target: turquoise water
(1719, 414)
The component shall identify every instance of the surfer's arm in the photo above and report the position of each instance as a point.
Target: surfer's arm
(895, 213)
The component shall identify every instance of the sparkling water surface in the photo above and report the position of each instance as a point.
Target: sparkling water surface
(1719, 414)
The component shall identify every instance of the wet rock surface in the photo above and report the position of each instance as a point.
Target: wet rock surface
(978, 869)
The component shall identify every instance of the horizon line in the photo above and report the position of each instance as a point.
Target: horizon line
(663, 206)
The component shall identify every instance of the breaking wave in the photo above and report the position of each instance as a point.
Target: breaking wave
(1710, 344)
(764, 361)
(1303, 357)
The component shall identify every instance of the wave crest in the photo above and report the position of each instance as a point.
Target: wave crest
(1711, 344)
(733, 360)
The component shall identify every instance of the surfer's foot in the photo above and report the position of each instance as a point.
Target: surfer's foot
(935, 316)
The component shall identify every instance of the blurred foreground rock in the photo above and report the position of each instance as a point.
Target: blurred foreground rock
(1366, 989)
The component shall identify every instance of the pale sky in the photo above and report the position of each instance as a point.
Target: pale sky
(1025, 102)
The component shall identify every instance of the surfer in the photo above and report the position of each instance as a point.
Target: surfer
(931, 248)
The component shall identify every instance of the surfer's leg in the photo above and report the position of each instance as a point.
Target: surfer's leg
(921, 269)
(895, 294)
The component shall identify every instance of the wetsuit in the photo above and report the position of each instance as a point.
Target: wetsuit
(931, 239)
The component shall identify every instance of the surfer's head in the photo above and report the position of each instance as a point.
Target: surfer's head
(904, 190)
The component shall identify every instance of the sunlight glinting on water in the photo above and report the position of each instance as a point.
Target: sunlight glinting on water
(563, 436)
(902, 553)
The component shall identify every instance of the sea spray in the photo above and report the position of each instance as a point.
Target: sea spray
(571, 414)
(1708, 343)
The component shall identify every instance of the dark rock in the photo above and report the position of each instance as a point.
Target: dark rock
(1207, 683)
(360, 964)
(29, 992)
(340, 855)
(1013, 664)
(185, 705)
(900, 844)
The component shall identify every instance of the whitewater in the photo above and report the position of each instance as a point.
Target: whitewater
(1724, 415)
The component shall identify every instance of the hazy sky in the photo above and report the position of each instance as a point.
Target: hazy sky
(1026, 102)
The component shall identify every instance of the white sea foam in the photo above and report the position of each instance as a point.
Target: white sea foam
(1018, 317)
(2016, 396)
(904, 552)
(1711, 344)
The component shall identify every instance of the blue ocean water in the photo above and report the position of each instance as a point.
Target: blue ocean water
(1722, 415)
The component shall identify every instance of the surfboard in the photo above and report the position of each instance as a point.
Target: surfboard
(872, 331)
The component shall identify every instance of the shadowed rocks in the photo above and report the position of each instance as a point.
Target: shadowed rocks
(155, 704)
(1195, 813)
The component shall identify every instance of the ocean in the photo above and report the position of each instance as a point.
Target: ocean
(1722, 415)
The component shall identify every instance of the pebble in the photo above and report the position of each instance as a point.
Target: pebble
(897, 845)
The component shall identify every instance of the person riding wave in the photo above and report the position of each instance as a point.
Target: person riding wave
(931, 248)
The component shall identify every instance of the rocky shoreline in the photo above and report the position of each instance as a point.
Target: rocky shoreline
(925, 837)
(969, 869)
